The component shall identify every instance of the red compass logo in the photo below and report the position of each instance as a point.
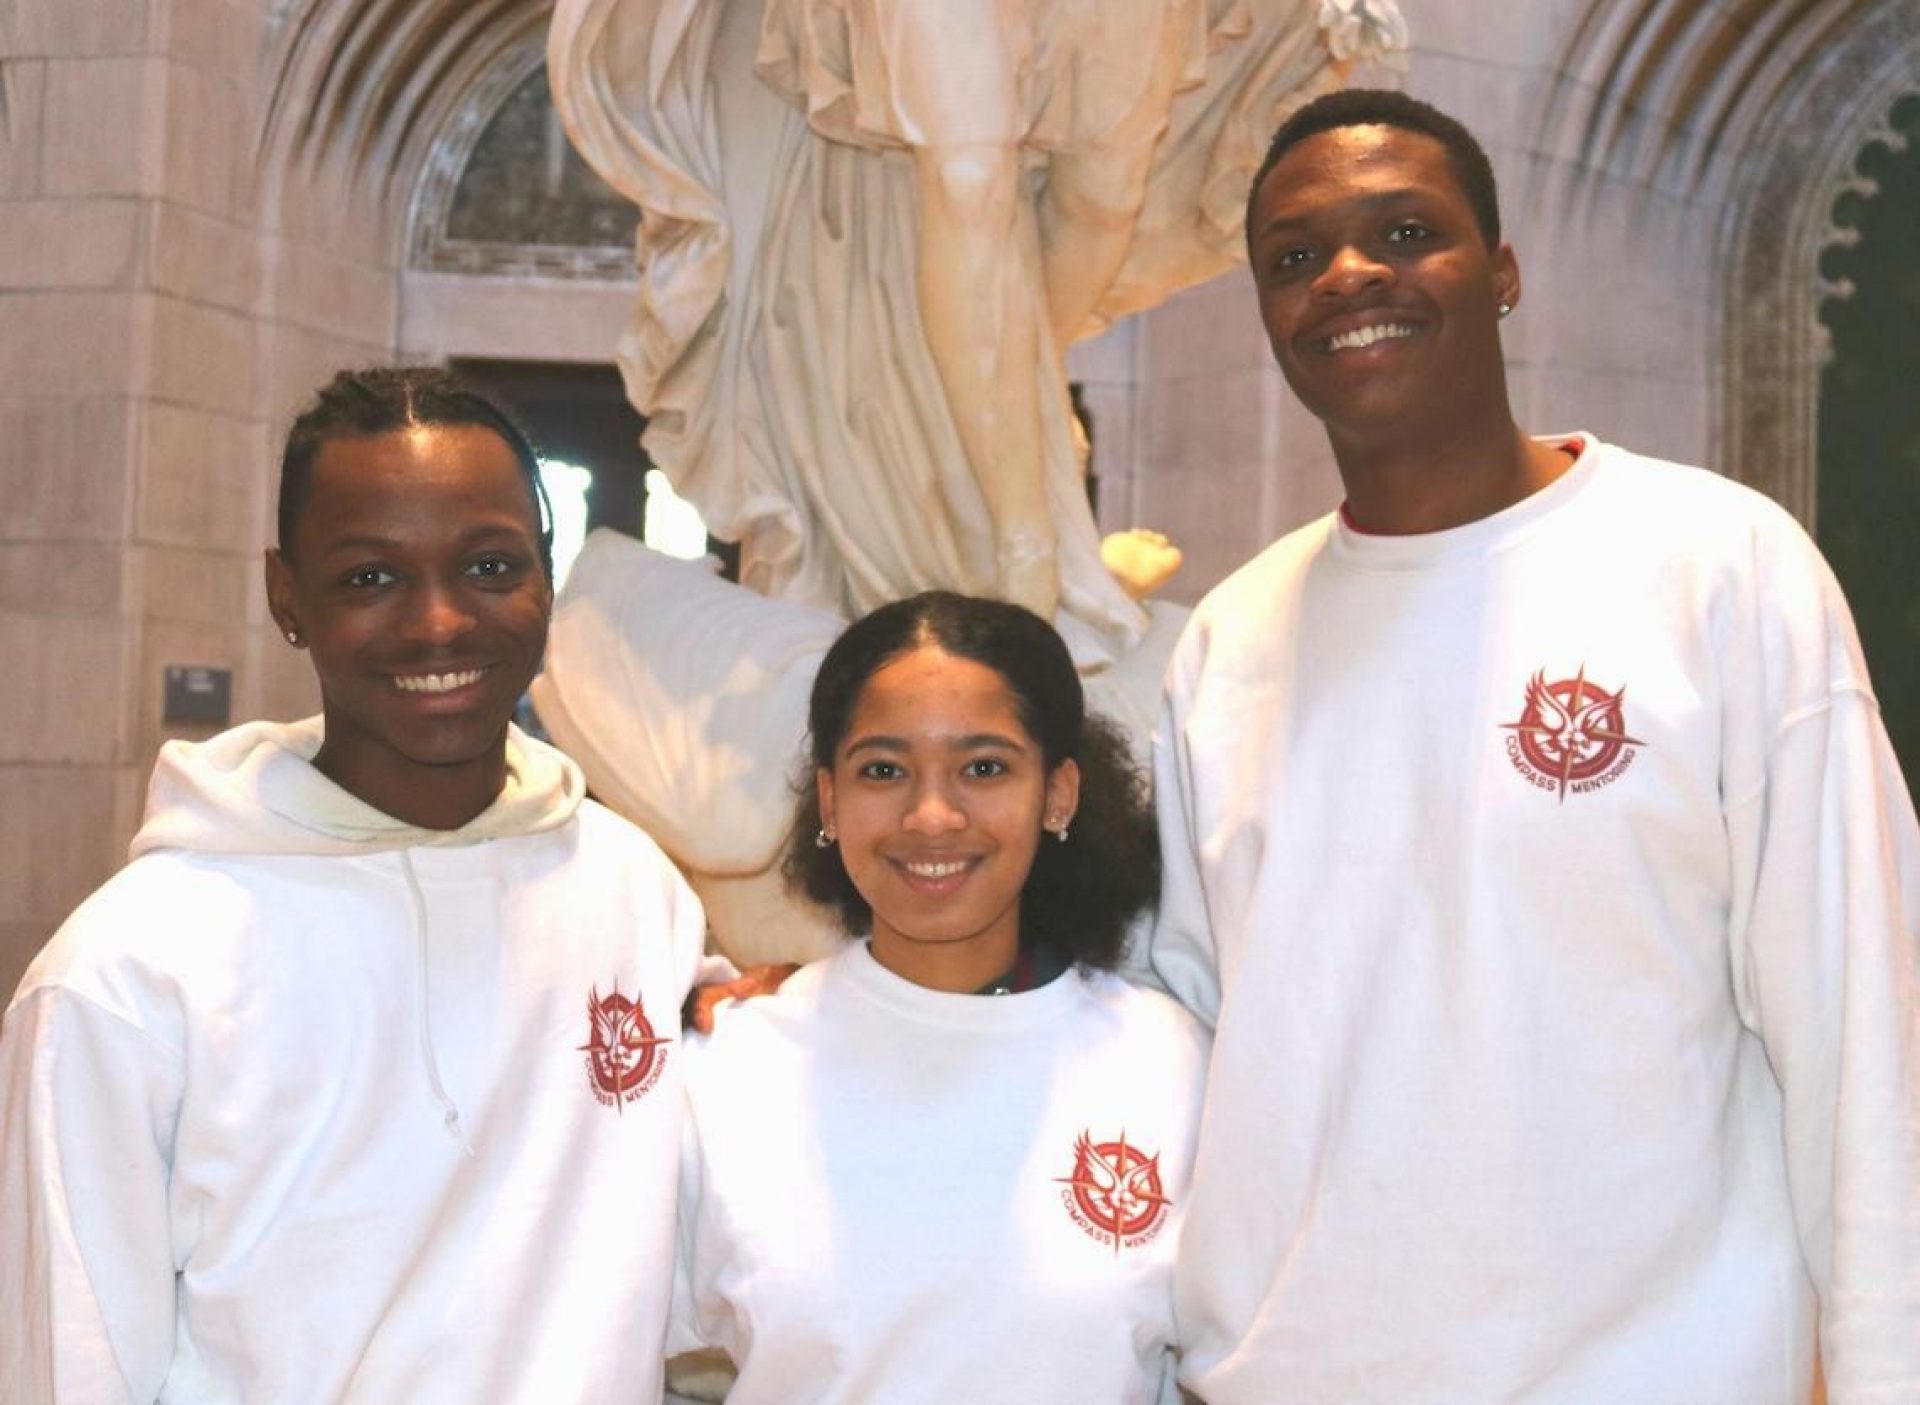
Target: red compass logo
(1571, 736)
(624, 1056)
(1114, 1193)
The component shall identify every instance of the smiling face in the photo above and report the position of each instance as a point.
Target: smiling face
(414, 579)
(938, 796)
(1379, 292)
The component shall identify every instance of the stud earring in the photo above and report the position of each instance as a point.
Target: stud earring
(293, 637)
(822, 839)
(1505, 308)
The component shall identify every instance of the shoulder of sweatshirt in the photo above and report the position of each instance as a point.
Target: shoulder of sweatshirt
(1694, 507)
(602, 828)
(125, 942)
(1253, 583)
(1144, 1015)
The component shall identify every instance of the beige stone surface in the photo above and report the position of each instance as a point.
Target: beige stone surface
(67, 469)
(204, 258)
(218, 37)
(189, 585)
(77, 28)
(23, 85)
(1203, 470)
(319, 212)
(342, 297)
(69, 343)
(1515, 36)
(103, 132)
(1115, 452)
(445, 314)
(1208, 331)
(203, 356)
(60, 578)
(1625, 407)
(79, 243)
(1310, 487)
(60, 693)
(206, 120)
(60, 820)
(203, 478)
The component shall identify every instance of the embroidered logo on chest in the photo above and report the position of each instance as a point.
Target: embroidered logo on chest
(1114, 1193)
(1572, 735)
(624, 1056)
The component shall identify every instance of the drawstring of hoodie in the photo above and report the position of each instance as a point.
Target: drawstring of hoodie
(449, 1113)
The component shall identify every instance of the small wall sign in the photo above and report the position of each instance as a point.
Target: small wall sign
(198, 695)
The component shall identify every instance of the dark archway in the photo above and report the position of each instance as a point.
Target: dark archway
(1869, 422)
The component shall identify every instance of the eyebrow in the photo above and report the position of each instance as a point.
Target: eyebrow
(972, 741)
(369, 541)
(1288, 219)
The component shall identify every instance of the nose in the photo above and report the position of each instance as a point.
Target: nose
(932, 810)
(438, 614)
(1351, 270)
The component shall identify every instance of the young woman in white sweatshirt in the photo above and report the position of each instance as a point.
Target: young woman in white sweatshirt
(948, 1163)
(361, 1081)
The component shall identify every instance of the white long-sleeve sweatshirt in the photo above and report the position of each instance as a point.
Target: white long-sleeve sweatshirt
(901, 1196)
(308, 1105)
(1556, 898)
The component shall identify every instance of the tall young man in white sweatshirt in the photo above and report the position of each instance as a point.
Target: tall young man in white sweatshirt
(1535, 847)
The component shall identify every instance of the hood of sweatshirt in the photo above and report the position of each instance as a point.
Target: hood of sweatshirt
(254, 790)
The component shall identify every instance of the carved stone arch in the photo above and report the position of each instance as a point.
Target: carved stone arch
(1752, 114)
(358, 90)
(549, 240)
(1778, 222)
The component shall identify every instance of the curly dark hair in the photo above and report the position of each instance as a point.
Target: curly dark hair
(1079, 895)
(382, 399)
(1383, 107)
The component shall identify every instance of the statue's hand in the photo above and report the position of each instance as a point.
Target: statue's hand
(1141, 560)
(755, 980)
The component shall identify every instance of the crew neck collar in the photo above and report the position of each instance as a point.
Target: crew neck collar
(1374, 551)
(963, 1010)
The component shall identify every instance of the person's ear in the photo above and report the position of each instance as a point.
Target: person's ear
(280, 595)
(1506, 279)
(823, 797)
(1063, 796)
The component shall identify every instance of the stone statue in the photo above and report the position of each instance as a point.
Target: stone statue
(869, 230)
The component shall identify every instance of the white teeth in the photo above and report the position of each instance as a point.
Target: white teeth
(1367, 336)
(436, 682)
(934, 870)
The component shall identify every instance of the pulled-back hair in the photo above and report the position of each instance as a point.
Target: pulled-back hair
(1079, 895)
(382, 400)
(1382, 107)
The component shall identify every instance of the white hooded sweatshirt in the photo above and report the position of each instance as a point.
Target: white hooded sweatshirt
(306, 1104)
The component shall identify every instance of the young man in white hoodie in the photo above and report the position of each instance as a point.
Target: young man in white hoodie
(1534, 845)
(360, 1081)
